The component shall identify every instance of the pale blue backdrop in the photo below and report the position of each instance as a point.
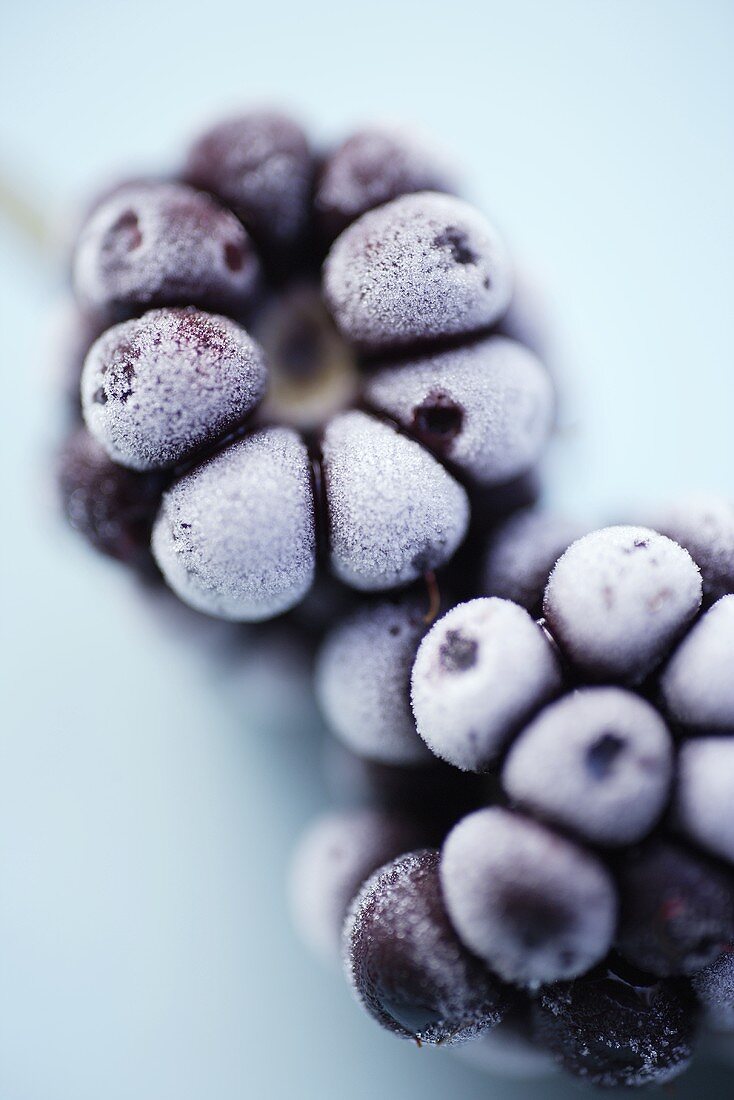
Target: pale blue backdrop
(149, 795)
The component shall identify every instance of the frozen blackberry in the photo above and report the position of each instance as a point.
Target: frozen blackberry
(619, 598)
(334, 857)
(363, 681)
(163, 244)
(113, 508)
(407, 966)
(676, 909)
(704, 803)
(521, 554)
(422, 267)
(704, 525)
(394, 512)
(221, 541)
(697, 685)
(261, 166)
(156, 388)
(714, 987)
(615, 1028)
(486, 406)
(480, 672)
(373, 167)
(508, 1050)
(536, 907)
(598, 762)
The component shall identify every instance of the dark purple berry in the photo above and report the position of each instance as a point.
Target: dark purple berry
(422, 267)
(536, 907)
(521, 554)
(407, 966)
(714, 987)
(697, 684)
(508, 1051)
(704, 803)
(157, 388)
(163, 244)
(704, 525)
(619, 598)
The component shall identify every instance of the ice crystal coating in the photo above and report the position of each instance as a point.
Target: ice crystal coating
(480, 672)
(372, 167)
(704, 525)
(598, 762)
(394, 512)
(676, 909)
(487, 406)
(522, 552)
(704, 804)
(507, 1051)
(406, 964)
(697, 684)
(619, 598)
(714, 987)
(261, 166)
(235, 537)
(613, 1032)
(333, 859)
(536, 907)
(156, 388)
(421, 267)
(163, 244)
(363, 681)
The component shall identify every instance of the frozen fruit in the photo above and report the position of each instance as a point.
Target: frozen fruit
(697, 684)
(406, 964)
(619, 598)
(235, 536)
(156, 388)
(113, 508)
(486, 406)
(163, 244)
(714, 987)
(619, 1029)
(704, 802)
(261, 166)
(333, 858)
(422, 267)
(522, 552)
(363, 680)
(480, 672)
(705, 526)
(508, 1050)
(598, 762)
(676, 909)
(535, 906)
(394, 512)
(372, 167)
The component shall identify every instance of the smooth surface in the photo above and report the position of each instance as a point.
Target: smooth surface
(150, 788)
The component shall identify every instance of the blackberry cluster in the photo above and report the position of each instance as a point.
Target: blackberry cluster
(572, 905)
(290, 356)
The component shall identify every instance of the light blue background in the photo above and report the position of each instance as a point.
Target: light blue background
(150, 788)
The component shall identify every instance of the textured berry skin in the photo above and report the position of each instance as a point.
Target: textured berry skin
(363, 681)
(423, 267)
(536, 907)
(521, 554)
(611, 1031)
(394, 512)
(333, 858)
(407, 966)
(598, 762)
(261, 166)
(479, 674)
(163, 244)
(222, 545)
(714, 987)
(704, 803)
(370, 168)
(676, 909)
(508, 1051)
(697, 685)
(618, 599)
(157, 388)
(487, 406)
(704, 525)
(113, 508)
